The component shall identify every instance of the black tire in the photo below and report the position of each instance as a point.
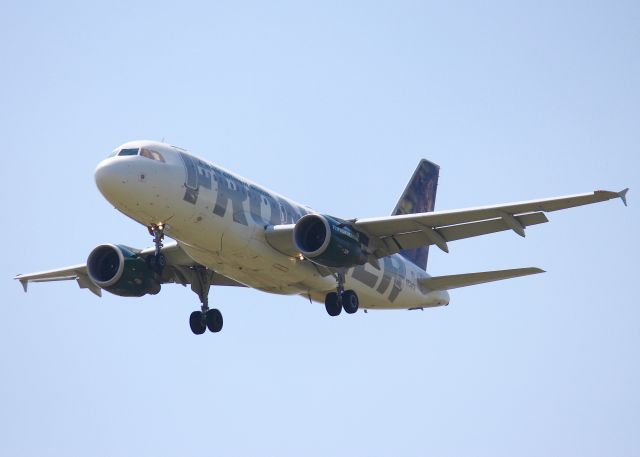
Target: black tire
(332, 305)
(156, 264)
(350, 301)
(214, 320)
(161, 261)
(154, 287)
(197, 323)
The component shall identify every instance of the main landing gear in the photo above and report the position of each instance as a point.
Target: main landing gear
(335, 302)
(206, 318)
(201, 279)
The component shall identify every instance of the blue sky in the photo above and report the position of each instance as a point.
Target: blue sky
(332, 104)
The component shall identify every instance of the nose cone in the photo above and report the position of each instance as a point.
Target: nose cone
(111, 177)
(138, 186)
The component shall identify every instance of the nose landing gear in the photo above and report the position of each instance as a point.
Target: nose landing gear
(157, 262)
(335, 302)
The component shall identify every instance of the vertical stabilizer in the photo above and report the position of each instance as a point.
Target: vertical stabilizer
(419, 197)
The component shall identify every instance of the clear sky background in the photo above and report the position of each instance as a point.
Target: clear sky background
(332, 104)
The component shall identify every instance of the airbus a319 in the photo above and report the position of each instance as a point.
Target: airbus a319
(229, 231)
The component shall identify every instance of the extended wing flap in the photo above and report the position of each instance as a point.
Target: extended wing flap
(85, 283)
(456, 232)
(471, 279)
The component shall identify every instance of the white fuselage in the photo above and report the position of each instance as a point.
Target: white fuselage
(219, 219)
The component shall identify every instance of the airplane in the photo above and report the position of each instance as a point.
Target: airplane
(229, 231)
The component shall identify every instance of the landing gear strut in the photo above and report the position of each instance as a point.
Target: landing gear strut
(157, 261)
(335, 302)
(201, 279)
(206, 318)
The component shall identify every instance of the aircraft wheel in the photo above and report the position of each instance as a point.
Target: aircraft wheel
(332, 304)
(156, 263)
(214, 320)
(197, 323)
(350, 301)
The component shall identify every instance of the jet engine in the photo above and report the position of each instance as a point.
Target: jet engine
(330, 242)
(121, 271)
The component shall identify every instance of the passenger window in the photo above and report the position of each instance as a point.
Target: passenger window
(151, 154)
(128, 152)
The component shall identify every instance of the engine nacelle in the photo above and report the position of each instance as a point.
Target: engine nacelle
(119, 270)
(329, 242)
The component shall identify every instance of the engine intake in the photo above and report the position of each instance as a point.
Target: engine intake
(329, 242)
(119, 270)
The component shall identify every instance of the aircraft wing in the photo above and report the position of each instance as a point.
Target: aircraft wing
(392, 234)
(179, 270)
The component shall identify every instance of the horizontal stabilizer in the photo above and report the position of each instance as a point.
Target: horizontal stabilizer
(623, 195)
(471, 279)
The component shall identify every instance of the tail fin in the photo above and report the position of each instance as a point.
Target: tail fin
(419, 197)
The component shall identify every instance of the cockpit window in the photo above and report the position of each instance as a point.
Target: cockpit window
(151, 154)
(128, 152)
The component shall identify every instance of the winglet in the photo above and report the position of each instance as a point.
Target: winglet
(24, 283)
(623, 195)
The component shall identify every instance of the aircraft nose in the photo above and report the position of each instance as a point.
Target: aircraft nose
(111, 177)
